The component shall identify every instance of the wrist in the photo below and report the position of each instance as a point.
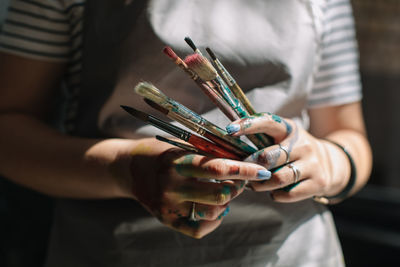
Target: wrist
(343, 177)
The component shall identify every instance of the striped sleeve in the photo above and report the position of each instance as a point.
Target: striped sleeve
(337, 80)
(38, 29)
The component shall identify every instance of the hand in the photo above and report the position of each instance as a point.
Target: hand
(169, 184)
(302, 166)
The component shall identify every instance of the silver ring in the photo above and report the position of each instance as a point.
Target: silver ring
(286, 152)
(192, 216)
(296, 172)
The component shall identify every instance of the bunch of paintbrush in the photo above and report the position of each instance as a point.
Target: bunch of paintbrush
(190, 119)
(224, 92)
(199, 144)
(227, 87)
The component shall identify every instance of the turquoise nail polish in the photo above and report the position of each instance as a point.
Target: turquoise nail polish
(232, 128)
(263, 174)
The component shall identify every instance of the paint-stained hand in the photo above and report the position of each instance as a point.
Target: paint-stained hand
(168, 184)
(302, 166)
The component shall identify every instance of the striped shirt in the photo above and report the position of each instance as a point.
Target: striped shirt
(51, 30)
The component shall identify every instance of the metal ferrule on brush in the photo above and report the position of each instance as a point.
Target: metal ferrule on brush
(230, 98)
(227, 76)
(169, 128)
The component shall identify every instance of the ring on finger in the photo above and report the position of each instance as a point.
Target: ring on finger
(192, 216)
(286, 152)
(296, 172)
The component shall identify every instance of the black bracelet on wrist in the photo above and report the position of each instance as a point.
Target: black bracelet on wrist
(350, 184)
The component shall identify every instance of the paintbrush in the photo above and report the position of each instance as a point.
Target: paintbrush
(149, 91)
(178, 144)
(233, 85)
(190, 42)
(202, 67)
(207, 72)
(214, 96)
(198, 142)
(194, 127)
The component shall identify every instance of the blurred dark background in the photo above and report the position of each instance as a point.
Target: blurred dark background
(368, 224)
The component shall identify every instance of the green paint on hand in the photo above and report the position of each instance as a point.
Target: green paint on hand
(182, 163)
(193, 224)
(200, 214)
(276, 118)
(226, 190)
(226, 211)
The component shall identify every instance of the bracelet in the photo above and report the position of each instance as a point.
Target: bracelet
(350, 184)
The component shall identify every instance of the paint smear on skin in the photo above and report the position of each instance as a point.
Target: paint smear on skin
(240, 185)
(234, 170)
(276, 118)
(226, 190)
(288, 127)
(193, 224)
(259, 115)
(226, 211)
(293, 140)
(141, 149)
(268, 158)
(200, 214)
(182, 164)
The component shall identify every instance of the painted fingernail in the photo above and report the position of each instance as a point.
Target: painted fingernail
(263, 174)
(232, 128)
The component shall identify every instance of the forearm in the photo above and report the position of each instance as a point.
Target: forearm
(34, 155)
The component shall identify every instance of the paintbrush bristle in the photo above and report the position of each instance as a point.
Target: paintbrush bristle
(201, 66)
(190, 43)
(136, 113)
(211, 53)
(151, 92)
(170, 53)
(156, 106)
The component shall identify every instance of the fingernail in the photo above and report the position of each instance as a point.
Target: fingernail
(263, 174)
(232, 128)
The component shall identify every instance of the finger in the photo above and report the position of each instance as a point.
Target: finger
(208, 193)
(277, 155)
(274, 156)
(201, 211)
(283, 176)
(305, 189)
(220, 169)
(267, 123)
(195, 229)
(210, 212)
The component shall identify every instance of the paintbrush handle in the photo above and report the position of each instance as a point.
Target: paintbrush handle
(238, 92)
(177, 144)
(213, 95)
(196, 141)
(194, 127)
(217, 99)
(208, 147)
